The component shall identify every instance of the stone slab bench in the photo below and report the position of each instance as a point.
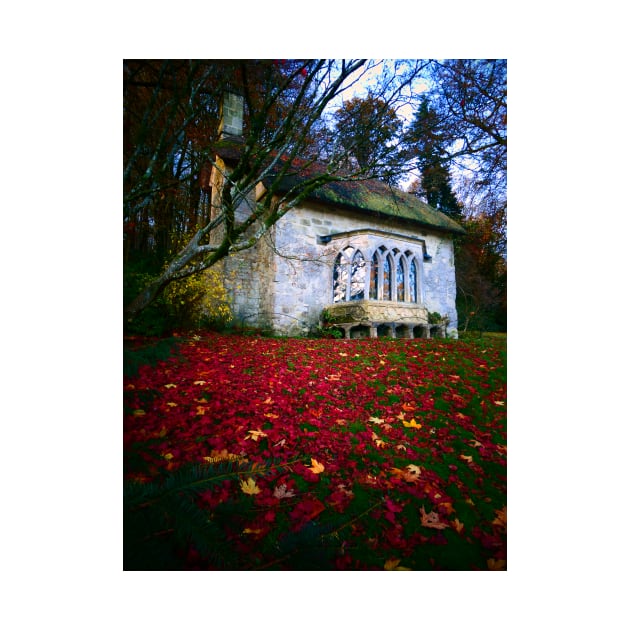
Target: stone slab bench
(407, 329)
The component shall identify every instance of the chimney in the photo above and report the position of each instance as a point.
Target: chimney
(231, 116)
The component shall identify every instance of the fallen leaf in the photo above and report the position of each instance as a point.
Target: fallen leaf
(201, 411)
(407, 407)
(466, 458)
(415, 470)
(474, 443)
(169, 385)
(199, 383)
(501, 403)
(458, 525)
(249, 487)
(281, 442)
(316, 467)
(168, 456)
(401, 416)
(247, 530)
(375, 420)
(496, 565)
(431, 520)
(501, 519)
(139, 412)
(394, 565)
(255, 434)
(413, 424)
(281, 492)
(401, 447)
(171, 404)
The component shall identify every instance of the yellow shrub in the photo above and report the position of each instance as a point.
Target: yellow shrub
(199, 299)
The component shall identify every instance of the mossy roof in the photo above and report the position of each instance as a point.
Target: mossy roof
(377, 198)
(368, 196)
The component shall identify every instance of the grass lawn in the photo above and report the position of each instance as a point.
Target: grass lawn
(251, 453)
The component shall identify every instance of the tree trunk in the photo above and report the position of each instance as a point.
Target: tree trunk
(144, 298)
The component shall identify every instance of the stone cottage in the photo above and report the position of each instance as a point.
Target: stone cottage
(359, 256)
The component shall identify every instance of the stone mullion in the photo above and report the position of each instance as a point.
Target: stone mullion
(349, 283)
(368, 278)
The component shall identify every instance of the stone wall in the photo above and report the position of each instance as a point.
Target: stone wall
(303, 266)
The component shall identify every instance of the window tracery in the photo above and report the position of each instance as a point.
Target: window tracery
(388, 275)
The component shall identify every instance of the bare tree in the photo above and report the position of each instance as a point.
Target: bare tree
(170, 108)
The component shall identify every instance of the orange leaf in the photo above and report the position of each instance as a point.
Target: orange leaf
(466, 458)
(459, 526)
(431, 520)
(501, 519)
(496, 565)
(316, 466)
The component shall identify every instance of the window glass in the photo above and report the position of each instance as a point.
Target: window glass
(400, 281)
(357, 281)
(374, 278)
(413, 281)
(387, 279)
(340, 279)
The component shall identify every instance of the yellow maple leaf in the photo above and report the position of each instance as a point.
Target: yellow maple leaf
(168, 456)
(413, 424)
(316, 467)
(201, 411)
(199, 383)
(169, 385)
(171, 404)
(249, 487)
(268, 401)
(254, 435)
(394, 565)
(413, 469)
(501, 403)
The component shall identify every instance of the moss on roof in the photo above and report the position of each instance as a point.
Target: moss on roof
(378, 198)
(369, 196)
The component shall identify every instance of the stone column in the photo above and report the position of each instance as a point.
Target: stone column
(373, 331)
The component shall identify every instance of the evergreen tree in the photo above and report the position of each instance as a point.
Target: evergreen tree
(427, 145)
